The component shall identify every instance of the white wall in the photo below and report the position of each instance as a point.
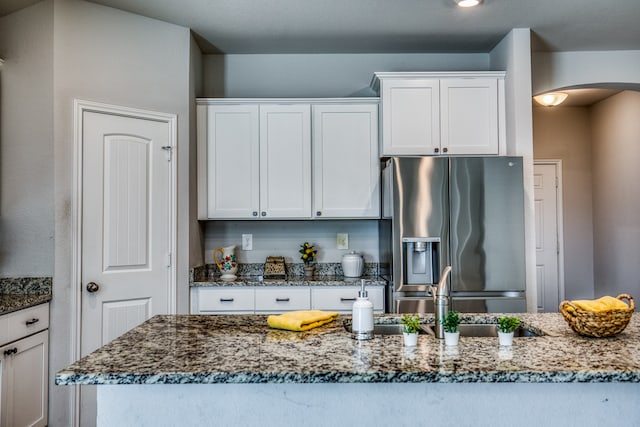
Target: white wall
(616, 197)
(26, 142)
(283, 238)
(319, 75)
(106, 55)
(556, 70)
(513, 54)
(564, 133)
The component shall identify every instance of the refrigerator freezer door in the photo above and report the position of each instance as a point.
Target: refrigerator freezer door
(487, 224)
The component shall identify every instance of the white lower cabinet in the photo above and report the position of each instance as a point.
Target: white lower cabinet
(341, 298)
(24, 367)
(222, 300)
(279, 299)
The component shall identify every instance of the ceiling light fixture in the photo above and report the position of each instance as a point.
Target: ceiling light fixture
(551, 99)
(467, 3)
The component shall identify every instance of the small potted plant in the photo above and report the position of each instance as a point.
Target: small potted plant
(410, 328)
(308, 255)
(450, 324)
(506, 326)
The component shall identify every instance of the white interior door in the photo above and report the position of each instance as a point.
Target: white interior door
(126, 232)
(547, 235)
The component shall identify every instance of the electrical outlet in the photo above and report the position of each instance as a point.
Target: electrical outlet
(247, 242)
(342, 241)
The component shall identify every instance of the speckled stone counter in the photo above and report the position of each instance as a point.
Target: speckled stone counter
(292, 281)
(243, 349)
(17, 293)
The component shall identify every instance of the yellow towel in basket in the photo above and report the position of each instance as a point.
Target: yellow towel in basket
(301, 320)
(605, 303)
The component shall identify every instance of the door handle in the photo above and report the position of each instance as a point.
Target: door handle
(92, 287)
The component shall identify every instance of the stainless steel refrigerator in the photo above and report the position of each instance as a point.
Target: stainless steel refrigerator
(467, 212)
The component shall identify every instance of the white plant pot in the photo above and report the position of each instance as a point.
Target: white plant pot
(410, 340)
(451, 338)
(505, 338)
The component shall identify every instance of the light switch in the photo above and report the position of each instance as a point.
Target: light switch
(342, 241)
(247, 242)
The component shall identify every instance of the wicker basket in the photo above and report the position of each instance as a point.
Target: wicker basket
(597, 324)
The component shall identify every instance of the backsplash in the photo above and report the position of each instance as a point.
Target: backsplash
(323, 269)
(283, 238)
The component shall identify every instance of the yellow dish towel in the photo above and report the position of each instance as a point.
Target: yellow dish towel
(301, 320)
(605, 303)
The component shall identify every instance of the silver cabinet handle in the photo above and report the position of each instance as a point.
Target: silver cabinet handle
(445, 150)
(347, 299)
(436, 150)
(255, 213)
(226, 299)
(32, 321)
(92, 287)
(264, 213)
(318, 213)
(282, 299)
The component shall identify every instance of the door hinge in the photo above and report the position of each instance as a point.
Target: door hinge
(557, 182)
(169, 259)
(168, 151)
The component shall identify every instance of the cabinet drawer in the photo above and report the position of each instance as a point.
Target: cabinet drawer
(22, 323)
(341, 299)
(237, 300)
(282, 299)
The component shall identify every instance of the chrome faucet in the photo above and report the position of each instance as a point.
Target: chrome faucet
(440, 293)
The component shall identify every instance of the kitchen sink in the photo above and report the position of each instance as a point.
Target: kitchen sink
(466, 330)
(491, 330)
(391, 329)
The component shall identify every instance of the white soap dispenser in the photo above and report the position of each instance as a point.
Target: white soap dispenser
(362, 316)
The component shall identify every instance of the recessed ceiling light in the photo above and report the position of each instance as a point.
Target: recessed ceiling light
(467, 3)
(551, 99)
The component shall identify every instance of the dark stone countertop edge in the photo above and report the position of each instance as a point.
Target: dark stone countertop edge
(346, 378)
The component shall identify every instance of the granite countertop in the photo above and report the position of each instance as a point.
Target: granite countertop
(292, 281)
(243, 349)
(23, 292)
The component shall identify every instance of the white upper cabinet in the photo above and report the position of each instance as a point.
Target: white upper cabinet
(285, 161)
(410, 116)
(425, 113)
(255, 158)
(346, 178)
(229, 161)
(254, 161)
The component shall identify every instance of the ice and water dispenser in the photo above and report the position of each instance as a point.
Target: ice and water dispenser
(420, 256)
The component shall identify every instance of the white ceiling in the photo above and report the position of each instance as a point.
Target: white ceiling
(382, 26)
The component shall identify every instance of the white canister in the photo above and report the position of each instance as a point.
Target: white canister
(352, 264)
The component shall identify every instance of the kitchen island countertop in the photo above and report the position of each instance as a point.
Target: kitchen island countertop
(204, 349)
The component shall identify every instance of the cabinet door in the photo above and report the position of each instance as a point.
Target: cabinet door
(469, 116)
(282, 298)
(346, 167)
(25, 373)
(233, 161)
(410, 117)
(285, 161)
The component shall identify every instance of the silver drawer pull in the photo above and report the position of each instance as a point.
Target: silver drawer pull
(226, 299)
(282, 299)
(347, 299)
(32, 321)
